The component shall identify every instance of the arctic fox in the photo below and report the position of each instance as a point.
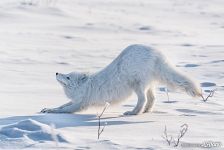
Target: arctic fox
(136, 69)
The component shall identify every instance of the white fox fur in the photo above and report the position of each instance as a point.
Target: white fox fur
(136, 69)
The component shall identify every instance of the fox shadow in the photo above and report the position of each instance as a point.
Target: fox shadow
(69, 120)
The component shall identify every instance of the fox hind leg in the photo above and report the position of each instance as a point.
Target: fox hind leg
(140, 104)
(150, 100)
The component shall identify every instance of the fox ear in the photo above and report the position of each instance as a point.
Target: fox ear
(84, 77)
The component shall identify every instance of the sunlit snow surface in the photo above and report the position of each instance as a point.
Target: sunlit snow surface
(41, 37)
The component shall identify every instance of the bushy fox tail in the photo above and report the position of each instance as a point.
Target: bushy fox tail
(168, 75)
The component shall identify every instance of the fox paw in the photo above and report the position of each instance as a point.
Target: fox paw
(47, 110)
(130, 113)
(146, 111)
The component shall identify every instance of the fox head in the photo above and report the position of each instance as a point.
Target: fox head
(72, 83)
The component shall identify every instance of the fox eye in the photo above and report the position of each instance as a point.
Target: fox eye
(68, 78)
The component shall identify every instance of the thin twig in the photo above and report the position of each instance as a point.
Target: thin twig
(183, 130)
(100, 131)
(167, 95)
(169, 138)
(211, 94)
(166, 137)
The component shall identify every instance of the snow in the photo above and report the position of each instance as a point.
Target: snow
(41, 37)
(32, 129)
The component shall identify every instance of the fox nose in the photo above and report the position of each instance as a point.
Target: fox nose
(56, 73)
